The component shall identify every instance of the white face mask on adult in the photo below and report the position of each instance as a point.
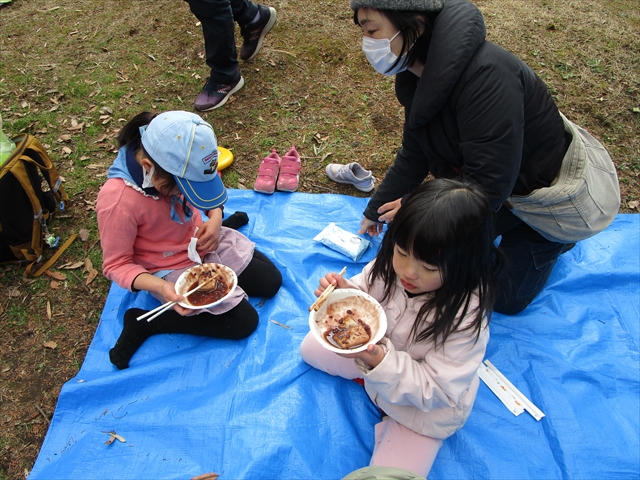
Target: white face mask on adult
(380, 56)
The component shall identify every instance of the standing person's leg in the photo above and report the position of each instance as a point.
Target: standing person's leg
(244, 11)
(400, 447)
(529, 261)
(218, 29)
(255, 22)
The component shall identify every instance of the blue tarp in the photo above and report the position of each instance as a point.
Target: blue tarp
(252, 409)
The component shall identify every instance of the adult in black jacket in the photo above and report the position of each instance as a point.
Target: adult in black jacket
(472, 110)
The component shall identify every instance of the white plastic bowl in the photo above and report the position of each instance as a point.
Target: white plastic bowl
(363, 306)
(189, 276)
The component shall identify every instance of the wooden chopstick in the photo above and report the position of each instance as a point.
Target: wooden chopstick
(166, 306)
(327, 291)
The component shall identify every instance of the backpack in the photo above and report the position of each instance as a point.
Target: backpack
(30, 190)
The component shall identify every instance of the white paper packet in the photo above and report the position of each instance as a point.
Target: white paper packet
(192, 252)
(340, 240)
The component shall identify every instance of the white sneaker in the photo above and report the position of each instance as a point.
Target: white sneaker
(351, 173)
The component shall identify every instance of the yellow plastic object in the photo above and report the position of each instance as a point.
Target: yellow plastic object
(225, 158)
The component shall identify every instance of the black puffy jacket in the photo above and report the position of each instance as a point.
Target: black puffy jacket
(477, 112)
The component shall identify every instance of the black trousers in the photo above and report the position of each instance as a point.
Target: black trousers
(217, 18)
(529, 261)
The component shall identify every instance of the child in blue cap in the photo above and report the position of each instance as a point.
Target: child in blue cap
(166, 168)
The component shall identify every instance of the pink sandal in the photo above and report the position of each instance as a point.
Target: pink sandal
(289, 171)
(267, 173)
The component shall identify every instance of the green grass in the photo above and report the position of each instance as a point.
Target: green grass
(17, 315)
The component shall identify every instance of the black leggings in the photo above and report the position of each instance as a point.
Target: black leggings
(261, 278)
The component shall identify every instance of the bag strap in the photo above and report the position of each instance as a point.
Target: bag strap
(51, 260)
(48, 169)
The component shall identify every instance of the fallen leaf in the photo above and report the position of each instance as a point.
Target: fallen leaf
(72, 266)
(92, 275)
(66, 150)
(55, 285)
(634, 204)
(52, 345)
(14, 292)
(55, 275)
(64, 138)
(113, 436)
(48, 309)
(88, 266)
(76, 128)
(83, 234)
(206, 476)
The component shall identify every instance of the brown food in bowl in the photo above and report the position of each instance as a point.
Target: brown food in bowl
(213, 292)
(349, 333)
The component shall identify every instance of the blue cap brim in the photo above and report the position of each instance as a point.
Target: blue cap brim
(203, 195)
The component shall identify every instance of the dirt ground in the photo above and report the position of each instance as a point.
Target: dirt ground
(71, 73)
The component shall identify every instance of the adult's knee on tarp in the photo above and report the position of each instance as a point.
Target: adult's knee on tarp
(529, 261)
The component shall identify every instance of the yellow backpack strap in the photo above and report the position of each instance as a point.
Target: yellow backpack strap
(49, 169)
(51, 260)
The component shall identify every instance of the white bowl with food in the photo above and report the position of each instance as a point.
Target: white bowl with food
(348, 321)
(220, 281)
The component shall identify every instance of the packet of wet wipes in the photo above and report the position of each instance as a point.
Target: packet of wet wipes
(340, 240)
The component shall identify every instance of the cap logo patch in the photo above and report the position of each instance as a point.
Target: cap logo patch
(213, 158)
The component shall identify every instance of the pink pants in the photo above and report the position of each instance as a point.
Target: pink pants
(396, 445)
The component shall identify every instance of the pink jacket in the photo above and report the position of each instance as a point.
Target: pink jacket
(427, 389)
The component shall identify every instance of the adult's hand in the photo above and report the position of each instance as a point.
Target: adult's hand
(370, 227)
(388, 212)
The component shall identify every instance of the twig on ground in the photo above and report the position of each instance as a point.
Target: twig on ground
(86, 289)
(281, 324)
(322, 187)
(43, 414)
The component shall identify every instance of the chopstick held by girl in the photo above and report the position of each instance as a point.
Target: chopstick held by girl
(166, 169)
(435, 277)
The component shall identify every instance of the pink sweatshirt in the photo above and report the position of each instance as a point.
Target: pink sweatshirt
(137, 234)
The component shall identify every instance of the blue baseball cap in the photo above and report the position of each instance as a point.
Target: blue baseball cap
(185, 145)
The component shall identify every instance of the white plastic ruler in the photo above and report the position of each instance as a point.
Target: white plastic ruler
(512, 398)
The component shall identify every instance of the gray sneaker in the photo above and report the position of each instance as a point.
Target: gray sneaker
(351, 173)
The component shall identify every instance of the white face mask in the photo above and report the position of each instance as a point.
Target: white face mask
(147, 177)
(380, 56)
